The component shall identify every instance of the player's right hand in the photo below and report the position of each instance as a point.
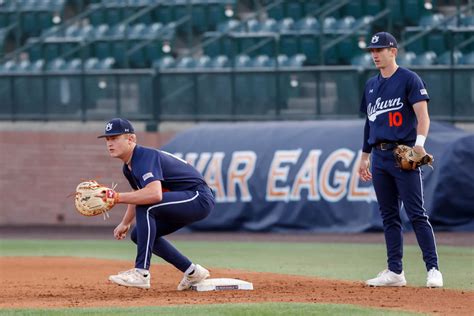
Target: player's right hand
(120, 232)
(364, 169)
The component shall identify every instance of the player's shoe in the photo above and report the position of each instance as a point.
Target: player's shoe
(434, 279)
(132, 278)
(388, 278)
(199, 275)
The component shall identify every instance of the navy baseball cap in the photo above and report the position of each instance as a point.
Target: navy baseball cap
(382, 40)
(117, 126)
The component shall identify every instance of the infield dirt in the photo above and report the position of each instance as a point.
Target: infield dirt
(55, 282)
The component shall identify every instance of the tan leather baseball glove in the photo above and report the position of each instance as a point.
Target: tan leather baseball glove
(92, 198)
(408, 159)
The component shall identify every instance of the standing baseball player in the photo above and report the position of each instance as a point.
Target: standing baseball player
(167, 195)
(396, 104)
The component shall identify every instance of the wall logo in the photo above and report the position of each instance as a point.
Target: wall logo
(108, 127)
(374, 39)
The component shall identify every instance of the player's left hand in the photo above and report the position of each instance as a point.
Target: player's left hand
(120, 232)
(364, 169)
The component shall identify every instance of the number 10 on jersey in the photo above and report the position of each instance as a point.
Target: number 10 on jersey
(395, 119)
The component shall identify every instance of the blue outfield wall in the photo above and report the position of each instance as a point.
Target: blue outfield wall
(302, 176)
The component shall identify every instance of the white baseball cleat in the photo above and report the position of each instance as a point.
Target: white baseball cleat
(132, 278)
(388, 278)
(434, 279)
(199, 274)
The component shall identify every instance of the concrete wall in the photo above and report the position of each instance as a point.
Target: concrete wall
(39, 169)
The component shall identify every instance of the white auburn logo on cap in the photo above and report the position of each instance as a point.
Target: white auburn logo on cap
(108, 127)
(375, 39)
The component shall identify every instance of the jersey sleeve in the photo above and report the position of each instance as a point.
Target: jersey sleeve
(365, 144)
(149, 168)
(417, 90)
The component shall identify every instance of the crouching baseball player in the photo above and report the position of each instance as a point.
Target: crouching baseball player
(167, 195)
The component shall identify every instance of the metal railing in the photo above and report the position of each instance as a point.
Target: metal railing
(228, 94)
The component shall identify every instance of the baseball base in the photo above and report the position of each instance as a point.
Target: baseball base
(222, 284)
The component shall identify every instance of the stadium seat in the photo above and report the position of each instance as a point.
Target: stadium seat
(203, 62)
(106, 63)
(242, 61)
(437, 42)
(276, 12)
(468, 59)
(298, 60)
(186, 62)
(354, 9)
(57, 64)
(345, 24)
(9, 66)
(139, 30)
(406, 59)
(74, 64)
(152, 31)
(425, 59)
(283, 61)
(309, 45)
(221, 61)
(329, 25)
(373, 7)
(118, 31)
(91, 63)
(269, 25)
(23, 66)
(100, 31)
(252, 25)
(309, 24)
(285, 25)
(37, 66)
(262, 61)
(468, 21)
(164, 63)
(310, 7)
(431, 20)
(445, 58)
(231, 25)
(216, 13)
(364, 60)
(96, 17)
(294, 9)
(289, 44)
(396, 13)
(412, 11)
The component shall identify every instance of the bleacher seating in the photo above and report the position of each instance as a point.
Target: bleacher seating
(288, 36)
(439, 40)
(205, 15)
(136, 33)
(31, 16)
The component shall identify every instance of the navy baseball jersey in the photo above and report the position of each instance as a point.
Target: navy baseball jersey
(388, 103)
(149, 164)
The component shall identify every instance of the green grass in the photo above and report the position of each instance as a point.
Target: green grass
(335, 261)
(269, 309)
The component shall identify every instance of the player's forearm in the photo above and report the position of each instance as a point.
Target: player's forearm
(129, 215)
(141, 197)
(423, 125)
(423, 118)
